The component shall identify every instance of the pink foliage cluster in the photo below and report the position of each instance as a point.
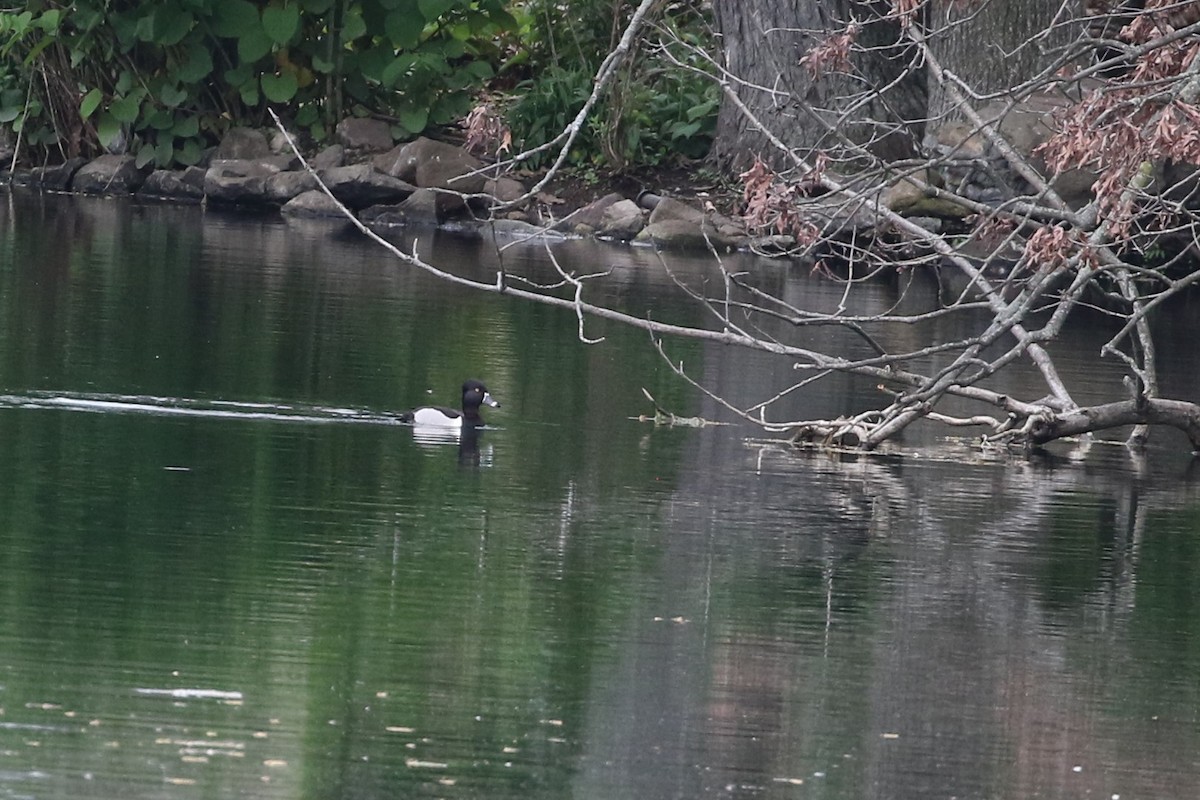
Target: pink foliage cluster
(771, 202)
(1141, 117)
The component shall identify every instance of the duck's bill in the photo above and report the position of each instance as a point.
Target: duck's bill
(491, 401)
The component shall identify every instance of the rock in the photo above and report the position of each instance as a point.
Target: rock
(332, 156)
(284, 186)
(58, 176)
(108, 174)
(622, 220)
(361, 185)
(421, 208)
(679, 234)
(364, 135)
(242, 143)
(504, 189)
(239, 181)
(668, 208)
(590, 218)
(907, 196)
(312, 204)
(173, 184)
(428, 164)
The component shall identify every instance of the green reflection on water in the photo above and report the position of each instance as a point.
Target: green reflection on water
(378, 616)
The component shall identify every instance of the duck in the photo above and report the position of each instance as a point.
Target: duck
(474, 395)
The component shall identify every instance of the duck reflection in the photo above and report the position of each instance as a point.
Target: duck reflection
(472, 452)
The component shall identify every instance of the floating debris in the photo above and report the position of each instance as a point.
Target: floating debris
(665, 418)
(190, 694)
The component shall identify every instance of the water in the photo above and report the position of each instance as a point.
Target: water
(228, 571)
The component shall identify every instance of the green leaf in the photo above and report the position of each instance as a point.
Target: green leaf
(321, 65)
(398, 68)
(144, 156)
(9, 113)
(108, 129)
(234, 17)
(20, 23)
(186, 126)
(317, 6)
(249, 93)
(414, 118)
(189, 152)
(404, 29)
(171, 96)
(353, 26)
(432, 10)
(279, 88)
(307, 115)
(481, 70)
(197, 66)
(49, 20)
(171, 24)
(89, 103)
(253, 44)
(281, 22)
(161, 120)
(126, 108)
(240, 75)
(164, 152)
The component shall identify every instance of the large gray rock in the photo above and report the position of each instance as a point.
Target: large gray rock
(361, 185)
(174, 184)
(239, 181)
(312, 204)
(242, 143)
(332, 156)
(428, 164)
(108, 174)
(363, 135)
(668, 208)
(283, 186)
(588, 220)
(679, 234)
(503, 189)
(623, 220)
(58, 176)
(420, 208)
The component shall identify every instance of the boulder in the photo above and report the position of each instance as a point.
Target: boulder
(332, 156)
(590, 218)
(312, 204)
(678, 234)
(58, 176)
(428, 164)
(364, 135)
(668, 208)
(173, 184)
(504, 189)
(239, 181)
(242, 143)
(622, 220)
(420, 208)
(108, 174)
(284, 186)
(361, 185)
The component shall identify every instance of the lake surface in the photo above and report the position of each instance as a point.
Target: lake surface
(227, 571)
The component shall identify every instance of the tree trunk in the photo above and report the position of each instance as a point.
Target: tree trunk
(764, 41)
(885, 99)
(999, 44)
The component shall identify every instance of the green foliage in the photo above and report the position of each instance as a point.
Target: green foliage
(654, 114)
(166, 77)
